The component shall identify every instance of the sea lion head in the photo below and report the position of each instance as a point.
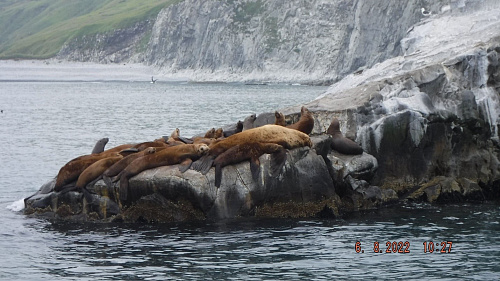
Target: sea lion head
(280, 118)
(304, 110)
(150, 150)
(176, 133)
(201, 148)
(334, 127)
(218, 133)
(210, 133)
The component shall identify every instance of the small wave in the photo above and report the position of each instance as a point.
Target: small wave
(17, 205)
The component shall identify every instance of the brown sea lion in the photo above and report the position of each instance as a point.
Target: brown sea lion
(248, 122)
(72, 170)
(341, 143)
(94, 171)
(99, 146)
(144, 145)
(210, 134)
(280, 119)
(288, 138)
(219, 133)
(182, 154)
(175, 135)
(235, 130)
(305, 123)
(116, 168)
(250, 151)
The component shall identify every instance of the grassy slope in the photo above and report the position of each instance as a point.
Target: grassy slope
(38, 29)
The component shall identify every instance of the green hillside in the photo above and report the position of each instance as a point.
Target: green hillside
(38, 28)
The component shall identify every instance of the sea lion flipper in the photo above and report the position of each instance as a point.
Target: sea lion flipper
(68, 188)
(255, 168)
(88, 196)
(123, 188)
(203, 164)
(107, 181)
(186, 140)
(278, 160)
(218, 175)
(184, 165)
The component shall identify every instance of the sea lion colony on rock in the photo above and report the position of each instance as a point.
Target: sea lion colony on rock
(216, 148)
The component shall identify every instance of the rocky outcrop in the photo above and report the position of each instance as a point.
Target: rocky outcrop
(303, 188)
(432, 115)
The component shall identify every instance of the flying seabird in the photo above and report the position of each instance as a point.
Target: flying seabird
(153, 80)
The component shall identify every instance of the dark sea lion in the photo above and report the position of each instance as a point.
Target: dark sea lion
(99, 146)
(305, 123)
(248, 122)
(288, 138)
(262, 119)
(341, 143)
(116, 168)
(233, 130)
(279, 119)
(94, 171)
(182, 154)
(250, 151)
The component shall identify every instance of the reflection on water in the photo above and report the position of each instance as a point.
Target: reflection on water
(46, 124)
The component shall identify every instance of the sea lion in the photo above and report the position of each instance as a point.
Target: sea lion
(182, 154)
(219, 133)
(288, 138)
(116, 168)
(248, 122)
(72, 170)
(231, 131)
(341, 143)
(250, 151)
(305, 123)
(144, 145)
(210, 134)
(94, 171)
(280, 119)
(99, 146)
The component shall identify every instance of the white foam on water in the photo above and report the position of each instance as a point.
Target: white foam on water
(16, 206)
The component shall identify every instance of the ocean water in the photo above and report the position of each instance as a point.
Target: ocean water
(45, 124)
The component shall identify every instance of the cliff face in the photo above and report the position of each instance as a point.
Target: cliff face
(121, 45)
(299, 41)
(278, 40)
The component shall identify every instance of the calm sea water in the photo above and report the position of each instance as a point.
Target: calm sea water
(45, 124)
